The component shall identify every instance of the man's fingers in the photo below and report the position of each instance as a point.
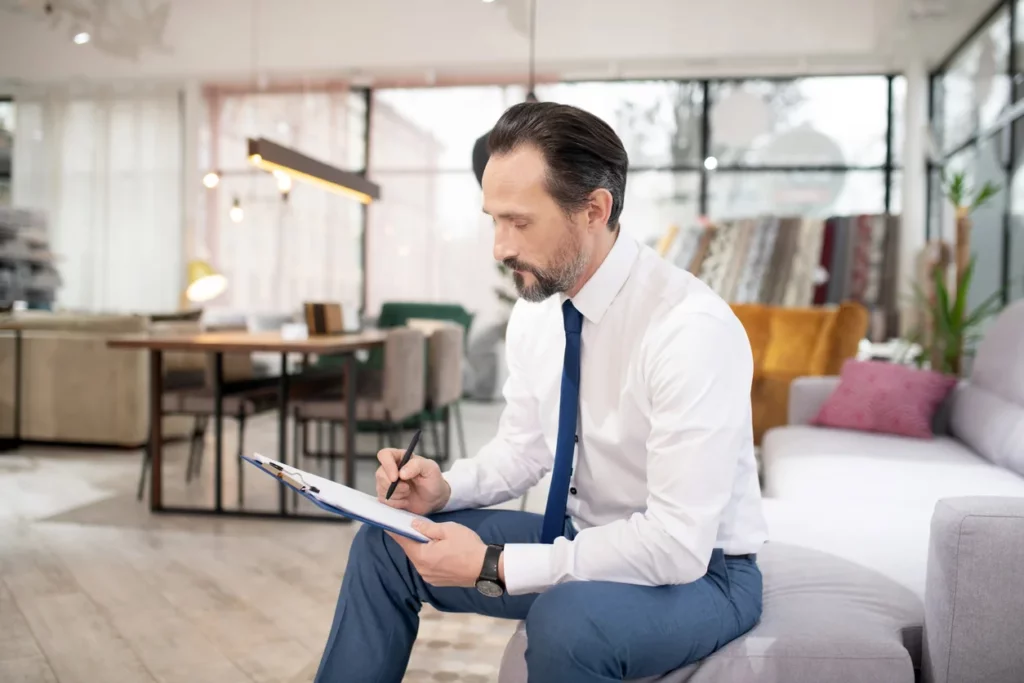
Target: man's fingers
(382, 481)
(412, 469)
(388, 458)
(402, 492)
(430, 529)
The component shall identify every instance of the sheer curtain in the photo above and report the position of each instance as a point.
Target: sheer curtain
(283, 251)
(106, 170)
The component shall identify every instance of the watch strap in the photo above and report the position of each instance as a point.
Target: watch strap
(489, 571)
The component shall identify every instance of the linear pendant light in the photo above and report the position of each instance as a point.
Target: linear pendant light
(271, 156)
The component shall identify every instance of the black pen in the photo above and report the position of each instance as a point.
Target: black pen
(405, 459)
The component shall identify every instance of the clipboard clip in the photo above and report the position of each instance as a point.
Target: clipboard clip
(293, 479)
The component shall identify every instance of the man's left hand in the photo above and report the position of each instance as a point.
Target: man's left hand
(453, 557)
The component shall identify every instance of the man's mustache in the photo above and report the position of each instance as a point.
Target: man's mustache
(514, 264)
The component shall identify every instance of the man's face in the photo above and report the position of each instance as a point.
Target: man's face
(546, 250)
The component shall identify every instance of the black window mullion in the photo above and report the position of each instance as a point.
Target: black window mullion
(705, 148)
(888, 148)
(1011, 138)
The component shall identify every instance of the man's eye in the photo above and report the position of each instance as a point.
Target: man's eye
(520, 225)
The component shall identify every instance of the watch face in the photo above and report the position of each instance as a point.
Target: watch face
(489, 588)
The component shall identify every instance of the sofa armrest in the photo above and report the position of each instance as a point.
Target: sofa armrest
(974, 592)
(806, 396)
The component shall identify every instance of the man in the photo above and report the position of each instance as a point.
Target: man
(629, 380)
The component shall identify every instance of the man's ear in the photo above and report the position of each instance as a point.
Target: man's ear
(599, 210)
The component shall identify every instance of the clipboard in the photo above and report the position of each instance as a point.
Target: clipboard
(339, 499)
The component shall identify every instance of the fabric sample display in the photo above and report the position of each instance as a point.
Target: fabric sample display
(795, 262)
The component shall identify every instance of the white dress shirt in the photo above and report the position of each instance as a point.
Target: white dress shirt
(664, 470)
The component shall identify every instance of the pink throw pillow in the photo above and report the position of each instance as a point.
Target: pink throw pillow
(875, 396)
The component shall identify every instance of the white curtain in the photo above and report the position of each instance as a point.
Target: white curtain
(283, 252)
(106, 170)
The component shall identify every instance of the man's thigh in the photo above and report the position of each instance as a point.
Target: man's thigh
(493, 526)
(636, 631)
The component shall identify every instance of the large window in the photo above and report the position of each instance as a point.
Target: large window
(428, 237)
(977, 128)
(816, 146)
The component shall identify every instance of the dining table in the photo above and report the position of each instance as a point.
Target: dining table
(217, 343)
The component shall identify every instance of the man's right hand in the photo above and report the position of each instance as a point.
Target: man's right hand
(421, 489)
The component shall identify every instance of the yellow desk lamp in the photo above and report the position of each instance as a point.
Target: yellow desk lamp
(204, 283)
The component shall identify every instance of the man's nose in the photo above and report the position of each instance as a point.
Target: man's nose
(503, 247)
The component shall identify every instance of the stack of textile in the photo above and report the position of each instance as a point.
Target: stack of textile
(787, 261)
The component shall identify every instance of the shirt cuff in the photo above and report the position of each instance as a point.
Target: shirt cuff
(528, 567)
(462, 480)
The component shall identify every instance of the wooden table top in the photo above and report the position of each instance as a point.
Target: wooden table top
(240, 341)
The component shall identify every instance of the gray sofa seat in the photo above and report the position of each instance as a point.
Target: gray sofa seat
(803, 462)
(825, 620)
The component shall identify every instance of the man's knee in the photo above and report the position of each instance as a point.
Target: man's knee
(563, 628)
(371, 543)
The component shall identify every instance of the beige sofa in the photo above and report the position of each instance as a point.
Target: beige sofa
(76, 390)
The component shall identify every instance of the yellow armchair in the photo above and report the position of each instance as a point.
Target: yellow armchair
(793, 342)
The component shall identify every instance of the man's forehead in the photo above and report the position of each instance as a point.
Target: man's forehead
(513, 182)
(522, 167)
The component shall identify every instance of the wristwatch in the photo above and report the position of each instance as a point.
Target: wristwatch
(488, 582)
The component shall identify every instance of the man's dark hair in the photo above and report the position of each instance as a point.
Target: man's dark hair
(582, 152)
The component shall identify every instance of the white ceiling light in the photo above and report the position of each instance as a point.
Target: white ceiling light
(211, 180)
(82, 37)
(284, 181)
(711, 163)
(236, 212)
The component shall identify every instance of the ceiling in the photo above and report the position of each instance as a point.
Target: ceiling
(440, 41)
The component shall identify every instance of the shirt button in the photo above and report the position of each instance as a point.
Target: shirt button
(576, 438)
(572, 490)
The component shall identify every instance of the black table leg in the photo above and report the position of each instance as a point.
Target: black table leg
(282, 427)
(17, 388)
(156, 436)
(218, 428)
(350, 420)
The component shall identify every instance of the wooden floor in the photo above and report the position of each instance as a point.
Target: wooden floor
(95, 589)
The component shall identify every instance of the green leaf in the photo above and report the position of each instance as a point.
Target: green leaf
(942, 312)
(987, 191)
(985, 309)
(956, 188)
(961, 294)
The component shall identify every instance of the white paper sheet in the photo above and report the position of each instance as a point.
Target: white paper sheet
(356, 503)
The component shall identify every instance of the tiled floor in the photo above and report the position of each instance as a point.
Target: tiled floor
(96, 589)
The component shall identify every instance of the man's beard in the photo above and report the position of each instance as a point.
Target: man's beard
(569, 265)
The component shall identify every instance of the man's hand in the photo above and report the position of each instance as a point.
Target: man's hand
(421, 489)
(453, 557)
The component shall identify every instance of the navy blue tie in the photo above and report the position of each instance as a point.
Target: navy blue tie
(568, 409)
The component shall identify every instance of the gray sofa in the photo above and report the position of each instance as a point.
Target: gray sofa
(891, 560)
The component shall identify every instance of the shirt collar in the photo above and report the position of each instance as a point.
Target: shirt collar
(599, 291)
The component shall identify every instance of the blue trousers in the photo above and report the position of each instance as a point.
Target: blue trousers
(577, 631)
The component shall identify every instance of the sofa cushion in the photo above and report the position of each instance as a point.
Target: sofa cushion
(992, 425)
(875, 396)
(891, 539)
(988, 415)
(824, 620)
(840, 466)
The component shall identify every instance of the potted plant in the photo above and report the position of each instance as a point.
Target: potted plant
(949, 329)
(956, 191)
